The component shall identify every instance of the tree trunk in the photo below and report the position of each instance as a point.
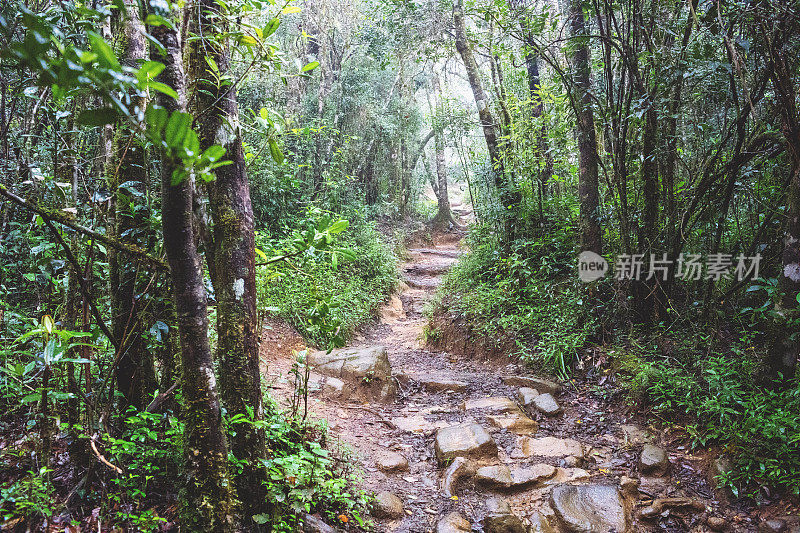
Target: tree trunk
(206, 493)
(216, 115)
(508, 198)
(135, 371)
(588, 192)
(444, 217)
(785, 346)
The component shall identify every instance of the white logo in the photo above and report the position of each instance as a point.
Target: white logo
(591, 266)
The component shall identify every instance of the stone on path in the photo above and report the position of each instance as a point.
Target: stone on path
(392, 462)
(500, 519)
(387, 505)
(435, 384)
(776, 525)
(540, 524)
(717, 523)
(515, 422)
(660, 504)
(515, 477)
(453, 523)
(634, 435)
(589, 508)
(568, 475)
(466, 440)
(547, 405)
(460, 467)
(526, 395)
(417, 424)
(653, 459)
(314, 524)
(542, 385)
(366, 370)
(548, 447)
(497, 404)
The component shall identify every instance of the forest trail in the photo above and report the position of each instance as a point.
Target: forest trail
(525, 441)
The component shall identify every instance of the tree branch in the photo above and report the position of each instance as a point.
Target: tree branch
(63, 219)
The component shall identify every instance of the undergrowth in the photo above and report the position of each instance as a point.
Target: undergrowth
(714, 392)
(529, 295)
(328, 301)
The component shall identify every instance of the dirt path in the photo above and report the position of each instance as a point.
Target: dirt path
(529, 449)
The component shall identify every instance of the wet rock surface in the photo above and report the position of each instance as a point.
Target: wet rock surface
(590, 508)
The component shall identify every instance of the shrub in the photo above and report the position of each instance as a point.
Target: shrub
(759, 426)
(530, 294)
(326, 301)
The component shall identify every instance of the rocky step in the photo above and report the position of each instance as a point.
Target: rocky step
(429, 269)
(423, 283)
(433, 251)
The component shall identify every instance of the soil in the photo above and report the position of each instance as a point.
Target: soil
(611, 431)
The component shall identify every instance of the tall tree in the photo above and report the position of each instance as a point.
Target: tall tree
(206, 489)
(214, 106)
(127, 176)
(588, 192)
(509, 199)
(779, 24)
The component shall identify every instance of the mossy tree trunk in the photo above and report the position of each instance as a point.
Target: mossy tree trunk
(126, 173)
(588, 192)
(206, 492)
(216, 115)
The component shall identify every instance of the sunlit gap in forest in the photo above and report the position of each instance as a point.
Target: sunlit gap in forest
(503, 266)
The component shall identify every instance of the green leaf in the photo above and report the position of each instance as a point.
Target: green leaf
(339, 226)
(163, 88)
(151, 69)
(288, 10)
(271, 27)
(176, 129)
(105, 54)
(214, 153)
(275, 152)
(310, 66)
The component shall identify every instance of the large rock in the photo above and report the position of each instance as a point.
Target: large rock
(465, 440)
(541, 385)
(517, 423)
(653, 459)
(453, 523)
(460, 467)
(504, 477)
(366, 371)
(387, 505)
(500, 519)
(548, 447)
(547, 405)
(496, 404)
(590, 508)
(392, 462)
